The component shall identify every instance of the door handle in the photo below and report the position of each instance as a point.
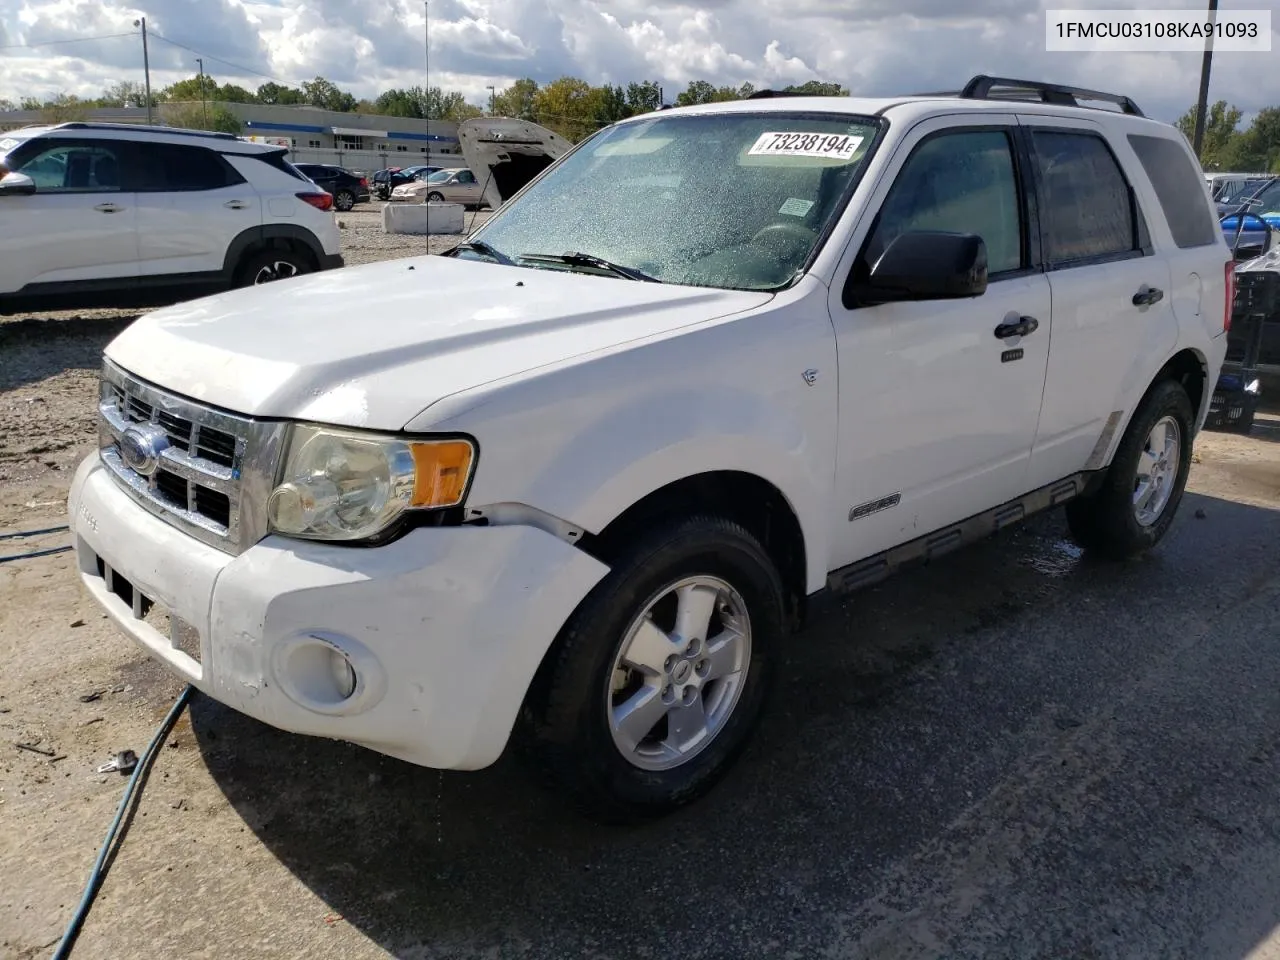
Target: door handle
(235, 204)
(106, 208)
(1146, 296)
(1020, 327)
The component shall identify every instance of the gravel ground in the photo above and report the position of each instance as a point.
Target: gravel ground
(1013, 753)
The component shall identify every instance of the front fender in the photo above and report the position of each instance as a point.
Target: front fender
(586, 441)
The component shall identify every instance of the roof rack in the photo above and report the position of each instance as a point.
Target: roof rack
(147, 128)
(765, 94)
(983, 87)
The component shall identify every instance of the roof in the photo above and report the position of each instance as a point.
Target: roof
(982, 94)
(227, 142)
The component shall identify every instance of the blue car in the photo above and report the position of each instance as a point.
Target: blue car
(1264, 210)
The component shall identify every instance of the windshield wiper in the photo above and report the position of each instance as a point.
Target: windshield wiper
(575, 259)
(482, 248)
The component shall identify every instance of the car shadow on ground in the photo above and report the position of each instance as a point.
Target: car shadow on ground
(1001, 737)
(37, 347)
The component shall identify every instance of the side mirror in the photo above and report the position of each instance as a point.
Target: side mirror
(16, 184)
(926, 265)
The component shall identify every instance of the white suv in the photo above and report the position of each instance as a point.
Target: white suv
(98, 214)
(589, 470)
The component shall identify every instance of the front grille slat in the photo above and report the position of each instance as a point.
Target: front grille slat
(200, 477)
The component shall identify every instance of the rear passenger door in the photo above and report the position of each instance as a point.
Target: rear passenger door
(191, 205)
(1111, 294)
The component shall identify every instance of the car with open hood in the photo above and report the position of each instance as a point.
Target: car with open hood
(576, 483)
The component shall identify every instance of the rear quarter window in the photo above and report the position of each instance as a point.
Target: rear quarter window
(1178, 187)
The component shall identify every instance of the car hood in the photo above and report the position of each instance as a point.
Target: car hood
(373, 346)
(505, 154)
(415, 186)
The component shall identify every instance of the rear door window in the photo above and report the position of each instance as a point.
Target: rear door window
(171, 167)
(1088, 210)
(1177, 185)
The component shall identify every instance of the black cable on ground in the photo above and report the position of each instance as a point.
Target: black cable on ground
(37, 553)
(115, 833)
(32, 533)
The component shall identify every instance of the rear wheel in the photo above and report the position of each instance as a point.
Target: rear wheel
(344, 200)
(657, 680)
(1140, 494)
(271, 265)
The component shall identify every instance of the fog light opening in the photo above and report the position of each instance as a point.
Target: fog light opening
(321, 675)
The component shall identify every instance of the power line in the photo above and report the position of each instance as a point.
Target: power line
(227, 63)
(49, 43)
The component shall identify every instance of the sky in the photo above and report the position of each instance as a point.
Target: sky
(874, 47)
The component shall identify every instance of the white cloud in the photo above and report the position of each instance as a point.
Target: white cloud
(873, 46)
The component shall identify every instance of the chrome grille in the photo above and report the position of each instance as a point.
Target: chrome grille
(213, 475)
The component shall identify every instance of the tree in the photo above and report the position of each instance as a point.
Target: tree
(7, 105)
(401, 103)
(193, 88)
(439, 105)
(192, 116)
(517, 100)
(64, 108)
(816, 88)
(230, 93)
(643, 97)
(699, 91)
(325, 94)
(276, 94)
(568, 107)
(609, 105)
(1219, 131)
(30, 103)
(1258, 148)
(126, 93)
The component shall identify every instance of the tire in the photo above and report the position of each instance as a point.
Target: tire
(344, 200)
(257, 267)
(568, 713)
(435, 197)
(1111, 522)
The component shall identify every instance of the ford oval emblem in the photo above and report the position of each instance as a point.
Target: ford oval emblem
(141, 446)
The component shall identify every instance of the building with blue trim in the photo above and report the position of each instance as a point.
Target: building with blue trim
(358, 141)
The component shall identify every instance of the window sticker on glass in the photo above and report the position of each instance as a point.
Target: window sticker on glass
(795, 207)
(833, 146)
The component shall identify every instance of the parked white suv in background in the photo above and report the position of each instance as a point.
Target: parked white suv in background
(589, 470)
(99, 214)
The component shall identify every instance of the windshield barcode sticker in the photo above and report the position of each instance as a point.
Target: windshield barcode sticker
(834, 146)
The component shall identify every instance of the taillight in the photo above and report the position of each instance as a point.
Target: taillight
(364, 181)
(1230, 277)
(321, 201)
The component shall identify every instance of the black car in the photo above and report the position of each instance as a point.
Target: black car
(384, 181)
(347, 188)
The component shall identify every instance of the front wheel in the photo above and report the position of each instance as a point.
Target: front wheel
(435, 197)
(656, 681)
(1139, 496)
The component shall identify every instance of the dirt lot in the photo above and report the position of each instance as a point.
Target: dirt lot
(1023, 754)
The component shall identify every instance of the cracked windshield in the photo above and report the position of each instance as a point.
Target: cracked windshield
(735, 201)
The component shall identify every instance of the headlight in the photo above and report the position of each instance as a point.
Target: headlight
(339, 485)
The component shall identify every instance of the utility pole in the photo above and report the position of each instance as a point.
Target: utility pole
(426, 44)
(493, 100)
(204, 110)
(1202, 104)
(146, 64)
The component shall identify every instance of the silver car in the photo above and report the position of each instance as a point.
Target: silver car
(458, 185)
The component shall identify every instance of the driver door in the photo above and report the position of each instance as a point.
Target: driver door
(938, 412)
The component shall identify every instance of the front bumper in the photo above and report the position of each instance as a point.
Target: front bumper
(443, 628)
